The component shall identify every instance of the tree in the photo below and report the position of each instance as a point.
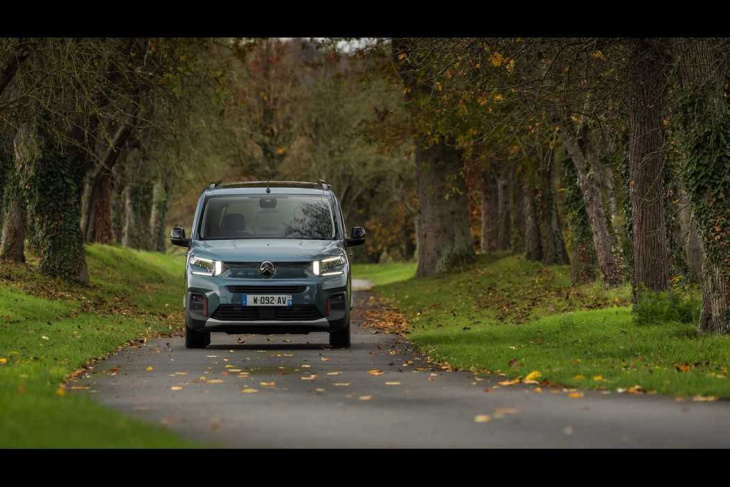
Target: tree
(647, 90)
(444, 237)
(704, 116)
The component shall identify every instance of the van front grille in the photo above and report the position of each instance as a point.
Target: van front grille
(236, 312)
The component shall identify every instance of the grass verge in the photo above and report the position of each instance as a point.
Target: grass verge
(49, 329)
(381, 274)
(512, 317)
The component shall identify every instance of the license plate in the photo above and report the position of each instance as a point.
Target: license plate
(267, 300)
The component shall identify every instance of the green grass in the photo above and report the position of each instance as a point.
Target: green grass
(505, 310)
(49, 329)
(381, 274)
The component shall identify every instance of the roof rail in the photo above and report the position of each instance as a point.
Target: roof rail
(215, 184)
(323, 183)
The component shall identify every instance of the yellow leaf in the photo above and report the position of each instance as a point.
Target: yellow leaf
(61, 391)
(598, 378)
(267, 384)
(249, 390)
(3, 361)
(393, 383)
(704, 398)
(575, 395)
(215, 381)
(176, 388)
(308, 377)
(509, 382)
(401, 56)
(535, 374)
(150, 368)
(496, 59)
(375, 372)
(579, 377)
(334, 373)
(229, 366)
(482, 418)
(365, 398)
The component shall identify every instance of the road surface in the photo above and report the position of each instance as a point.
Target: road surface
(291, 391)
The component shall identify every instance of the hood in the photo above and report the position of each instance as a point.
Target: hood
(257, 250)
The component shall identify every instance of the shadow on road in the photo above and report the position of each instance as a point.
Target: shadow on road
(270, 346)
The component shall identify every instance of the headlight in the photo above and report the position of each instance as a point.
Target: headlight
(331, 266)
(205, 267)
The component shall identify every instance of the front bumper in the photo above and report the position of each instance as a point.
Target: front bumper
(224, 310)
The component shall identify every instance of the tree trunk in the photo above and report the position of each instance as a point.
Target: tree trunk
(647, 87)
(99, 218)
(158, 216)
(518, 204)
(705, 119)
(603, 239)
(504, 208)
(550, 228)
(582, 255)
(14, 218)
(490, 228)
(129, 223)
(444, 236)
(533, 239)
(14, 224)
(55, 202)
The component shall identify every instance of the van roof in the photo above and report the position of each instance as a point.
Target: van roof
(258, 186)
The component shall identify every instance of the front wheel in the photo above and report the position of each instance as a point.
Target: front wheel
(341, 338)
(196, 339)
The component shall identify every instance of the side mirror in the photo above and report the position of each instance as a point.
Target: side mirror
(177, 237)
(357, 237)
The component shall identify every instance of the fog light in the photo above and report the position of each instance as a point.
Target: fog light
(199, 304)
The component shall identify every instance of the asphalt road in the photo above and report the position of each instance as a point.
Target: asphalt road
(291, 391)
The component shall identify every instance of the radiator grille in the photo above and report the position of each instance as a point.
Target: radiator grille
(235, 312)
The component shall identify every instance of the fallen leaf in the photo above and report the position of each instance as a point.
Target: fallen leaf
(535, 374)
(365, 398)
(704, 398)
(176, 388)
(215, 381)
(538, 390)
(334, 373)
(392, 383)
(61, 391)
(267, 384)
(341, 384)
(375, 372)
(3, 361)
(579, 377)
(575, 395)
(325, 359)
(482, 418)
(513, 363)
(229, 366)
(308, 377)
(305, 366)
(249, 390)
(509, 382)
(150, 368)
(598, 378)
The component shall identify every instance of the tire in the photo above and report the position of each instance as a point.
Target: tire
(196, 339)
(341, 338)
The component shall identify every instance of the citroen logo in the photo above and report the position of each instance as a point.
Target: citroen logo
(267, 269)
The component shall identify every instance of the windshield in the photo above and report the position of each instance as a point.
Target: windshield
(281, 216)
